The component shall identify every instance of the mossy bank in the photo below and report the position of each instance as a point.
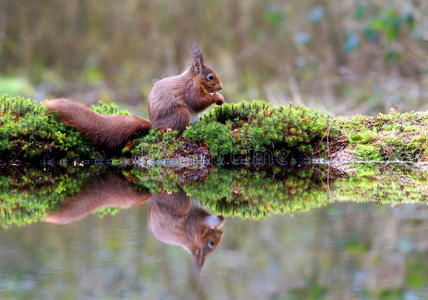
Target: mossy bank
(286, 133)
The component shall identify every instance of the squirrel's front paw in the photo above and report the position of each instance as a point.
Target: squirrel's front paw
(219, 99)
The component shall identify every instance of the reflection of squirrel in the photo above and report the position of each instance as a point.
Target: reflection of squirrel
(171, 103)
(173, 218)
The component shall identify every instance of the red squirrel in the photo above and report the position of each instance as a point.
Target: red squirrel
(172, 101)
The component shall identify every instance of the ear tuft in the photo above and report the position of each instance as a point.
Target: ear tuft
(198, 259)
(198, 60)
(196, 52)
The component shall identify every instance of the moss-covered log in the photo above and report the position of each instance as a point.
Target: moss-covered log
(29, 131)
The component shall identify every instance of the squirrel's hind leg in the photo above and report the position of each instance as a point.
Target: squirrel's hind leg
(179, 120)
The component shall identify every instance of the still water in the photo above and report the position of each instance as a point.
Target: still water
(298, 236)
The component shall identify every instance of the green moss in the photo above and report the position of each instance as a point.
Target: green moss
(108, 109)
(388, 137)
(218, 137)
(361, 137)
(27, 130)
(157, 144)
(257, 126)
(30, 131)
(243, 128)
(368, 153)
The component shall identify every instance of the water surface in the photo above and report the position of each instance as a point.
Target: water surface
(316, 241)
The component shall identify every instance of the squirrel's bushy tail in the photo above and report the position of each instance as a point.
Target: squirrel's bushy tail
(103, 130)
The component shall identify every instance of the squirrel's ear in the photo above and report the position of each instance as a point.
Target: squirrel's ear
(198, 60)
(198, 259)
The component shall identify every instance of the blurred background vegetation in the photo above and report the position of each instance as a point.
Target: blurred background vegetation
(345, 56)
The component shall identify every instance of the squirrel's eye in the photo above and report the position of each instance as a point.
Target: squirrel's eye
(211, 244)
(210, 76)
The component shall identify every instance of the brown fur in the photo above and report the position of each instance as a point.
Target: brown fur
(107, 130)
(172, 100)
(173, 218)
(107, 191)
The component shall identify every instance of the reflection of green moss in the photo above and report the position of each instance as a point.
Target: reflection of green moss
(107, 211)
(27, 195)
(389, 188)
(356, 245)
(155, 179)
(256, 195)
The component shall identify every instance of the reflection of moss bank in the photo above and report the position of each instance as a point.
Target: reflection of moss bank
(27, 195)
(388, 188)
(256, 194)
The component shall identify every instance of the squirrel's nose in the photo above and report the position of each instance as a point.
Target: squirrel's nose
(218, 87)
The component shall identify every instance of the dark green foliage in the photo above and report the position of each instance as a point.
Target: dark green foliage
(257, 126)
